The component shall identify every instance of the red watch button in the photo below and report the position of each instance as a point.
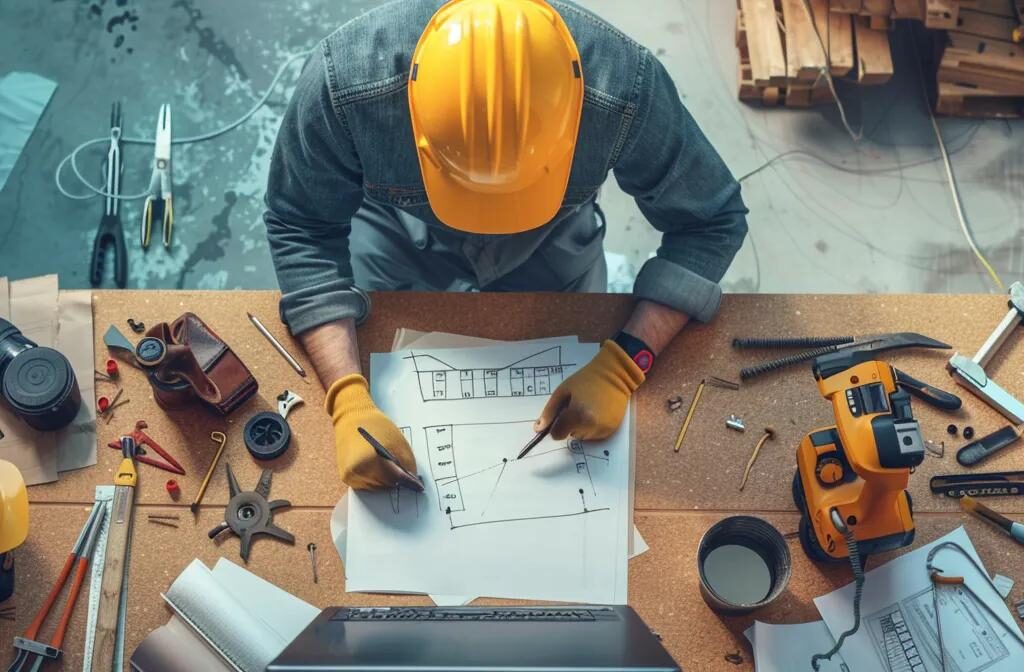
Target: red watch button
(644, 359)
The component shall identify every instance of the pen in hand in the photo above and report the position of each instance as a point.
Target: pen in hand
(403, 475)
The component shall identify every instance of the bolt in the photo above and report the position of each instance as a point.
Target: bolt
(311, 547)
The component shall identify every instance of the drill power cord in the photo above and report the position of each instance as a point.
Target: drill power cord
(853, 550)
(95, 191)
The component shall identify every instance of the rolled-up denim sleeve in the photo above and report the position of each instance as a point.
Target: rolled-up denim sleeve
(313, 190)
(685, 190)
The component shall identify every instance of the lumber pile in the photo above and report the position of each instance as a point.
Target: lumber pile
(935, 14)
(788, 48)
(981, 71)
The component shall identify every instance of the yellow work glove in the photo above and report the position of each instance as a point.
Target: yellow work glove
(591, 403)
(362, 467)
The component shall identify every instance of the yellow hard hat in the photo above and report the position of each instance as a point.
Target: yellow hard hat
(496, 96)
(13, 507)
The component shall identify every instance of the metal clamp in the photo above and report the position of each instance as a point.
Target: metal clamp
(970, 373)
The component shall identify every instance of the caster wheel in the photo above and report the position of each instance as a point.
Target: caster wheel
(798, 494)
(267, 435)
(811, 546)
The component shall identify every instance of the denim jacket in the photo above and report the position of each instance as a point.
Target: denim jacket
(347, 136)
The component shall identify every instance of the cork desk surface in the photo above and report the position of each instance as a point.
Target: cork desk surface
(678, 495)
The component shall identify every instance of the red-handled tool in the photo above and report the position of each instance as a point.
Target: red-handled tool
(27, 645)
(142, 439)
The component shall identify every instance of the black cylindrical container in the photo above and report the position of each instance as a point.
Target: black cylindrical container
(38, 384)
(766, 552)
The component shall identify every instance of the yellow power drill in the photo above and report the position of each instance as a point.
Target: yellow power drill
(852, 477)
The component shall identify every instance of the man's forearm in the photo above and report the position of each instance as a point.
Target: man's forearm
(655, 324)
(333, 349)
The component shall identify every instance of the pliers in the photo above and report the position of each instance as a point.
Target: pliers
(30, 651)
(110, 231)
(158, 202)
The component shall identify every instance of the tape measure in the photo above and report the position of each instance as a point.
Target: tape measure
(104, 495)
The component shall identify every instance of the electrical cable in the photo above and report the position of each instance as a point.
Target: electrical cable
(72, 158)
(853, 171)
(954, 190)
(853, 550)
(826, 72)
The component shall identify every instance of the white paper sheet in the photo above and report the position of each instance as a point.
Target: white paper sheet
(248, 620)
(553, 526)
(789, 648)
(898, 630)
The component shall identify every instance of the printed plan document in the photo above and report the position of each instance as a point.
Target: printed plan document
(898, 630)
(554, 525)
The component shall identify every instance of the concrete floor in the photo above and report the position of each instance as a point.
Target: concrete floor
(814, 228)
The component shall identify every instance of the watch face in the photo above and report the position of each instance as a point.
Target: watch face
(644, 359)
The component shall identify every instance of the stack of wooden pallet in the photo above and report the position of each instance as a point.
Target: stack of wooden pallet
(981, 71)
(788, 47)
(936, 14)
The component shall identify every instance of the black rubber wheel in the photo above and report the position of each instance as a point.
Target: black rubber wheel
(267, 435)
(810, 543)
(798, 494)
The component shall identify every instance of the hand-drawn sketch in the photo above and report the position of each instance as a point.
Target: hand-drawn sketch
(554, 525)
(536, 375)
(453, 461)
(906, 640)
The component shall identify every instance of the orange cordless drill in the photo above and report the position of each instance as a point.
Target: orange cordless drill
(852, 476)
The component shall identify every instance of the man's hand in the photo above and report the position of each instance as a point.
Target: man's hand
(361, 467)
(591, 403)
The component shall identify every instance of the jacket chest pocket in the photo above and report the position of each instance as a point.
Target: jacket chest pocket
(603, 131)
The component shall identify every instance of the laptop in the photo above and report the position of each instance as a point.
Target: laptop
(476, 639)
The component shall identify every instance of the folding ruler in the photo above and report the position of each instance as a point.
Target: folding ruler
(104, 494)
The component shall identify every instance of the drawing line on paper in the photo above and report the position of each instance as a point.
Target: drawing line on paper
(396, 492)
(536, 375)
(526, 518)
(442, 452)
(497, 482)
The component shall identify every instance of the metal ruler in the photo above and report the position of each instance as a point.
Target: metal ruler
(104, 495)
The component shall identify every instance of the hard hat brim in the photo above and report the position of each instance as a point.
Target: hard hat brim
(478, 212)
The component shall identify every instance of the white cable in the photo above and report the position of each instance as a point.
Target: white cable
(960, 214)
(826, 73)
(101, 191)
(954, 190)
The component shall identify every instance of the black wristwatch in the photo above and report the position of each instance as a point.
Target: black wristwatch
(638, 351)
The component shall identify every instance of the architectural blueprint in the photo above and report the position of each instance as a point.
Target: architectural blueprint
(898, 633)
(554, 525)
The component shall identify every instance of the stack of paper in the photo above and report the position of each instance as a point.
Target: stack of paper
(556, 525)
(898, 629)
(226, 619)
(62, 321)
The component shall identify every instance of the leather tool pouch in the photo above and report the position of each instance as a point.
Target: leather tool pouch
(198, 366)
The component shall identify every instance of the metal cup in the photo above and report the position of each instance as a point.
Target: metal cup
(760, 543)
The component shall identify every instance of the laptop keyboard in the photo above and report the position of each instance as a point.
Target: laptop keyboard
(474, 614)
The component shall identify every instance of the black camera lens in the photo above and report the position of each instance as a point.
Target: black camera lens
(37, 383)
